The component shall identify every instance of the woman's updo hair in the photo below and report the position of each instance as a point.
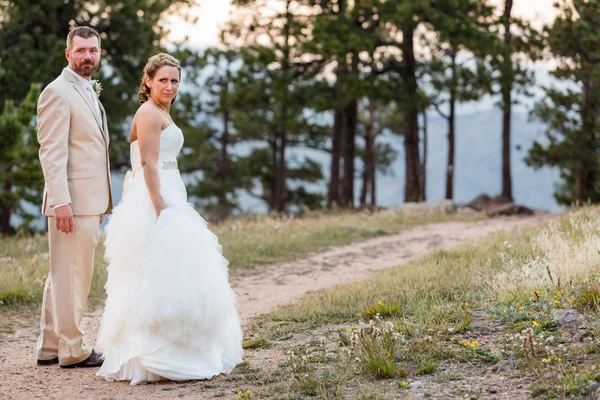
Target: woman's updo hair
(154, 64)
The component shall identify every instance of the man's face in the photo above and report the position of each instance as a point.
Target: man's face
(84, 55)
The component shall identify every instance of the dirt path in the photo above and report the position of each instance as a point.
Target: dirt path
(258, 292)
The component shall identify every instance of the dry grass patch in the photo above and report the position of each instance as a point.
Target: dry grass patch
(247, 241)
(484, 305)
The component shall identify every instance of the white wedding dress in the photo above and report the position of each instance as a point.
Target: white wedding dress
(170, 312)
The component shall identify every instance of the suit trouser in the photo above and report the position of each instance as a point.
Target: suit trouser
(66, 291)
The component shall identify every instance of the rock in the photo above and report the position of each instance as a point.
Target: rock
(549, 375)
(495, 210)
(434, 207)
(499, 200)
(575, 337)
(594, 386)
(525, 211)
(479, 203)
(480, 321)
(466, 211)
(317, 341)
(566, 317)
(301, 337)
(503, 365)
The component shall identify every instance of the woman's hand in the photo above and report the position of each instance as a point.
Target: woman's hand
(160, 208)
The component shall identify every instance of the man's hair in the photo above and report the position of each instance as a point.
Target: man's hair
(83, 31)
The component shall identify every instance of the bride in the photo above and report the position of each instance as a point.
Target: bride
(170, 313)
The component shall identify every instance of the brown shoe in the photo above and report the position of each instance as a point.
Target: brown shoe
(94, 360)
(51, 361)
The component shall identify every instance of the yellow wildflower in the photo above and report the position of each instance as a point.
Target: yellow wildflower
(535, 323)
(380, 303)
(404, 384)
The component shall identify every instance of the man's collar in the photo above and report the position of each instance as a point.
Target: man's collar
(79, 77)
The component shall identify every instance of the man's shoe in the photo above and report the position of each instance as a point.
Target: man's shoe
(94, 360)
(51, 361)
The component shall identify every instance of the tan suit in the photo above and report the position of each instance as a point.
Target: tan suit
(74, 159)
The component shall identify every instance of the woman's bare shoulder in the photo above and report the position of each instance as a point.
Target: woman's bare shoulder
(146, 114)
(145, 118)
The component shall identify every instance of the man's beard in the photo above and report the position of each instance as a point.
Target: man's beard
(85, 68)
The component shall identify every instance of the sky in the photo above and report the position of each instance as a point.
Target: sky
(212, 14)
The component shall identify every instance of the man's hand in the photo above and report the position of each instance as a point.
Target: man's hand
(101, 218)
(64, 218)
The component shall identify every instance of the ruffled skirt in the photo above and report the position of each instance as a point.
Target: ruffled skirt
(170, 312)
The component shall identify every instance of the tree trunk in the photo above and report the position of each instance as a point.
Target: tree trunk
(581, 184)
(349, 152)
(451, 130)
(368, 178)
(6, 211)
(507, 84)
(373, 171)
(364, 188)
(272, 194)
(280, 175)
(281, 138)
(333, 193)
(224, 156)
(372, 160)
(588, 116)
(411, 122)
(424, 163)
(365, 174)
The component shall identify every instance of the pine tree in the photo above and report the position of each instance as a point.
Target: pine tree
(275, 89)
(454, 74)
(209, 109)
(32, 47)
(572, 115)
(21, 179)
(518, 42)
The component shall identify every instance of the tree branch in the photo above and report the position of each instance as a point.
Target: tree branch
(437, 108)
(586, 54)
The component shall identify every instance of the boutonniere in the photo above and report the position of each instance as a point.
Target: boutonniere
(97, 86)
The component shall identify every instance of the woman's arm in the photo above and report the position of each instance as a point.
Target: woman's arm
(148, 135)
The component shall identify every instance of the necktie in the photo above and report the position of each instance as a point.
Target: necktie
(90, 90)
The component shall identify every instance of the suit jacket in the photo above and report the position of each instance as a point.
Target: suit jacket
(73, 149)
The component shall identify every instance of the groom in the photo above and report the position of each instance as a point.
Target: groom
(73, 136)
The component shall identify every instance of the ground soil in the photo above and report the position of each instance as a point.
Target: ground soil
(259, 290)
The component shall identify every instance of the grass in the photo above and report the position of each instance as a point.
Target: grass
(431, 304)
(439, 324)
(255, 343)
(247, 242)
(261, 239)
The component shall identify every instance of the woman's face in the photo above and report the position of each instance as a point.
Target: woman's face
(164, 85)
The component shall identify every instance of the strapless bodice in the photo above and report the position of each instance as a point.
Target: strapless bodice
(171, 142)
